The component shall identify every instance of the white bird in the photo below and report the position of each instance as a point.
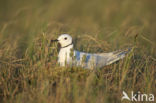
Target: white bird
(68, 56)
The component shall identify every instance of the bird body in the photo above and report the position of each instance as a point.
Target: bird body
(69, 56)
(64, 55)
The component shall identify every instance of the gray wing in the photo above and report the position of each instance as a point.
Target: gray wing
(114, 56)
(88, 60)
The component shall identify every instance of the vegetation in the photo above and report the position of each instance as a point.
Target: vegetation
(29, 72)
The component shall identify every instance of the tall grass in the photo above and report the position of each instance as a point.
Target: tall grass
(29, 71)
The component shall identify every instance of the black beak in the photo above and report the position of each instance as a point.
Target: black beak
(54, 40)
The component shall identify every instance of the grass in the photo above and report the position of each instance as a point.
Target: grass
(29, 72)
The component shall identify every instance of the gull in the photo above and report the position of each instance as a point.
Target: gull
(68, 56)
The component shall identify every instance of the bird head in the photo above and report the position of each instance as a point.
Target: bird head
(64, 40)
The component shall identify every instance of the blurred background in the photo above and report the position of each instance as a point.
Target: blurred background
(107, 23)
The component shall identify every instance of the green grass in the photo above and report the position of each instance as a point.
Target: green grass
(29, 72)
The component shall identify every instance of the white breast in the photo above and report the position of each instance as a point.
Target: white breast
(64, 56)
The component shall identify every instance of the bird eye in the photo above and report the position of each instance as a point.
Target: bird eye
(65, 38)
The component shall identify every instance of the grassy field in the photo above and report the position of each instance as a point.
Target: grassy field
(29, 72)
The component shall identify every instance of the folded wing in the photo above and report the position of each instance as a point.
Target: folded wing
(88, 60)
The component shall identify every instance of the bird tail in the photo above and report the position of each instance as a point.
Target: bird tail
(117, 55)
